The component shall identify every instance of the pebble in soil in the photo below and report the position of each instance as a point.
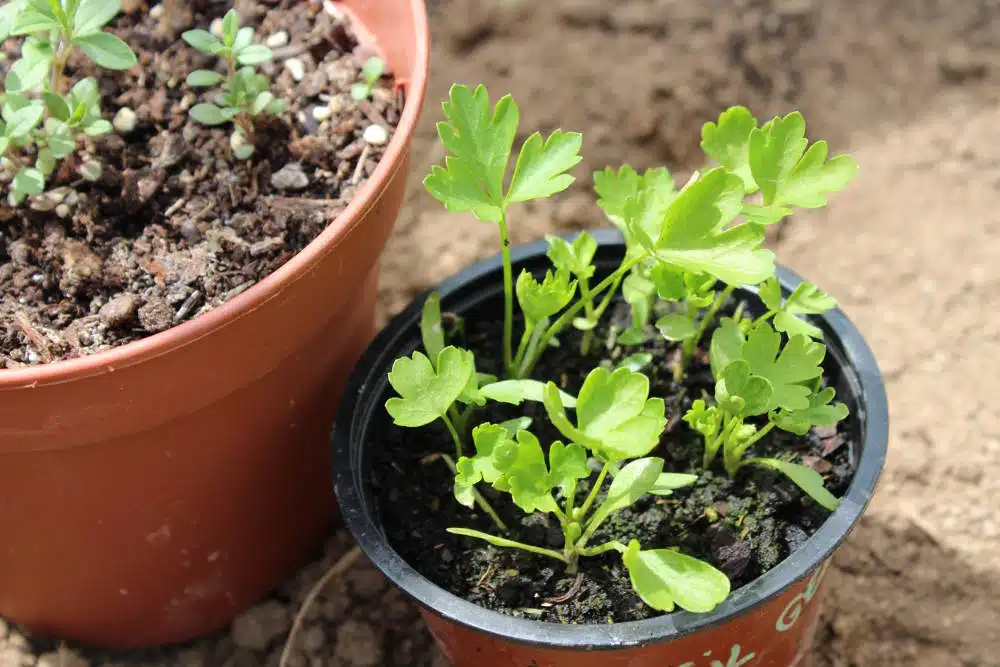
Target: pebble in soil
(174, 226)
(743, 526)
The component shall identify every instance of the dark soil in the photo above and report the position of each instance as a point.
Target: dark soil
(744, 526)
(176, 226)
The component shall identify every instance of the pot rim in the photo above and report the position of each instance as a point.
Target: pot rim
(799, 564)
(272, 285)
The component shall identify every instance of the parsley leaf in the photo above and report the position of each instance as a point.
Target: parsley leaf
(541, 299)
(693, 233)
(541, 166)
(664, 578)
(820, 412)
(728, 143)
(804, 477)
(523, 473)
(788, 370)
(426, 395)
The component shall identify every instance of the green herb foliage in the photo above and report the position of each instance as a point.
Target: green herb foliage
(688, 250)
(245, 94)
(371, 72)
(42, 122)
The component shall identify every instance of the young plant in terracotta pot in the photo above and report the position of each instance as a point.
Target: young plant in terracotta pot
(628, 447)
(194, 202)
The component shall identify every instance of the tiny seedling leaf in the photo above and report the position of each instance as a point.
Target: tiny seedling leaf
(426, 394)
(516, 392)
(632, 482)
(254, 55)
(431, 332)
(615, 411)
(524, 473)
(107, 50)
(575, 257)
(804, 477)
(24, 120)
(668, 482)
(210, 114)
(676, 327)
(567, 464)
(203, 77)
(31, 21)
(787, 369)
(821, 412)
(664, 578)
(59, 138)
(202, 40)
(636, 362)
(742, 393)
(539, 300)
(92, 15)
(726, 346)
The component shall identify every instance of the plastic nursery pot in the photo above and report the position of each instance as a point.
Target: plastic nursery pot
(152, 492)
(768, 623)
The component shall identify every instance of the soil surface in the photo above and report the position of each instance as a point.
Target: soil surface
(743, 526)
(176, 226)
(912, 90)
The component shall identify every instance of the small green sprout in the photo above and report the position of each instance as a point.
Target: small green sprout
(619, 424)
(371, 72)
(45, 127)
(758, 375)
(245, 94)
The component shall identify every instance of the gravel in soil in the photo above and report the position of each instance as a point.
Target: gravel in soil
(176, 226)
(744, 526)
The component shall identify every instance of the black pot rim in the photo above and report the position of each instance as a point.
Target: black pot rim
(800, 563)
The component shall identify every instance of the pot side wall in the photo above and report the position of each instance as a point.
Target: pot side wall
(778, 633)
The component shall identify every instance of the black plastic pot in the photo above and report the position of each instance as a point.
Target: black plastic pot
(767, 623)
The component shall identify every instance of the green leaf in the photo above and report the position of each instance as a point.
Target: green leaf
(203, 77)
(97, 128)
(787, 369)
(276, 107)
(694, 234)
(230, 27)
(360, 91)
(426, 394)
(46, 162)
(676, 327)
(576, 258)
(203, 41)
(637, 290)
(243, 151)
(705, 420)
(85, 93)
(764, 215)
(261, 102)
(28, 181)
(32, 69)
(819, 413)
(728, 143)
(664, 578)
(614, 190)
(21, 122)
(668, 482)
(57, 106)
(431, 332)
(809, 299)
(739, 392)
(804, 477)
(107, 50)
(372, 70)
(31, 21)
(792, 325)
(787, 173)
(541, 166)
(471, 471)
(636, 362)
(540, 300)
(244, 38)
(210, 114)
(524, 474)
(480, 143)
(632, 482)
(92, 15)
(567, 464)
(59, 138)
(8, 16)
(254, 55)
(770, 293)
(516, 392)
(726, 346)
(512, 426)
(614, 412)
(4, 145)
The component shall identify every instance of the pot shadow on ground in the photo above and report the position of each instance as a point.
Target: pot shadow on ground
(897, 597)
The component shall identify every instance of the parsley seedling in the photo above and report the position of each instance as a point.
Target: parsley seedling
(41, 122)
(371, 72)
(245, 93)
(687, 251)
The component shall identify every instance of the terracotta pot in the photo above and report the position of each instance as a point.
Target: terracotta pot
(152, 492)
(768, 623)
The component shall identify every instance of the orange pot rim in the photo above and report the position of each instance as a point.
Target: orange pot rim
(478, 283)
(271, 286)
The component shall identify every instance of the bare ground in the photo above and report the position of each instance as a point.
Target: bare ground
(911, 251)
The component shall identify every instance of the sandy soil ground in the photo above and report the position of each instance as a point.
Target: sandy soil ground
(912, 251)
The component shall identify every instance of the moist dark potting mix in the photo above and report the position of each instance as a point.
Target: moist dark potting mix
(744, 526)
(176, 225)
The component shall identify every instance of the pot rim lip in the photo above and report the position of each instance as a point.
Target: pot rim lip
(593, 637)
(271, 286)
